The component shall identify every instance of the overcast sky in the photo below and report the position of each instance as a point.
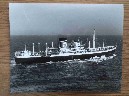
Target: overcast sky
(65, 19)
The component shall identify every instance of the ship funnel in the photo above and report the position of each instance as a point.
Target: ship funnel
(63, 42)
(94, 39)
(33, 48)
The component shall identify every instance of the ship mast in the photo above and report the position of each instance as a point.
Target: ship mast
(103, 43)
(94, 39)
(52, 44)
(25, 47)
(89, 44)
(46, 49)
(33, 48)
(39, 46)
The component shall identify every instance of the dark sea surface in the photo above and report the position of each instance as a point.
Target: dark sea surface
(65, 76)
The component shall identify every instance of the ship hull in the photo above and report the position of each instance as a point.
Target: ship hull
(44, 59)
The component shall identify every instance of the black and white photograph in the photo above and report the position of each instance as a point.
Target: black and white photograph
(61, 47)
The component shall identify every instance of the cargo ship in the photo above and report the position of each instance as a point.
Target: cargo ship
(64, 52)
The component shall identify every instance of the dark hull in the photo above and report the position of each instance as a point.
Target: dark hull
(60, 58)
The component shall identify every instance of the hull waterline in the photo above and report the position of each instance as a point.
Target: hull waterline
(44, 59)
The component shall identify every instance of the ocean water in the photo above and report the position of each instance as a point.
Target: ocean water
(65, 76)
